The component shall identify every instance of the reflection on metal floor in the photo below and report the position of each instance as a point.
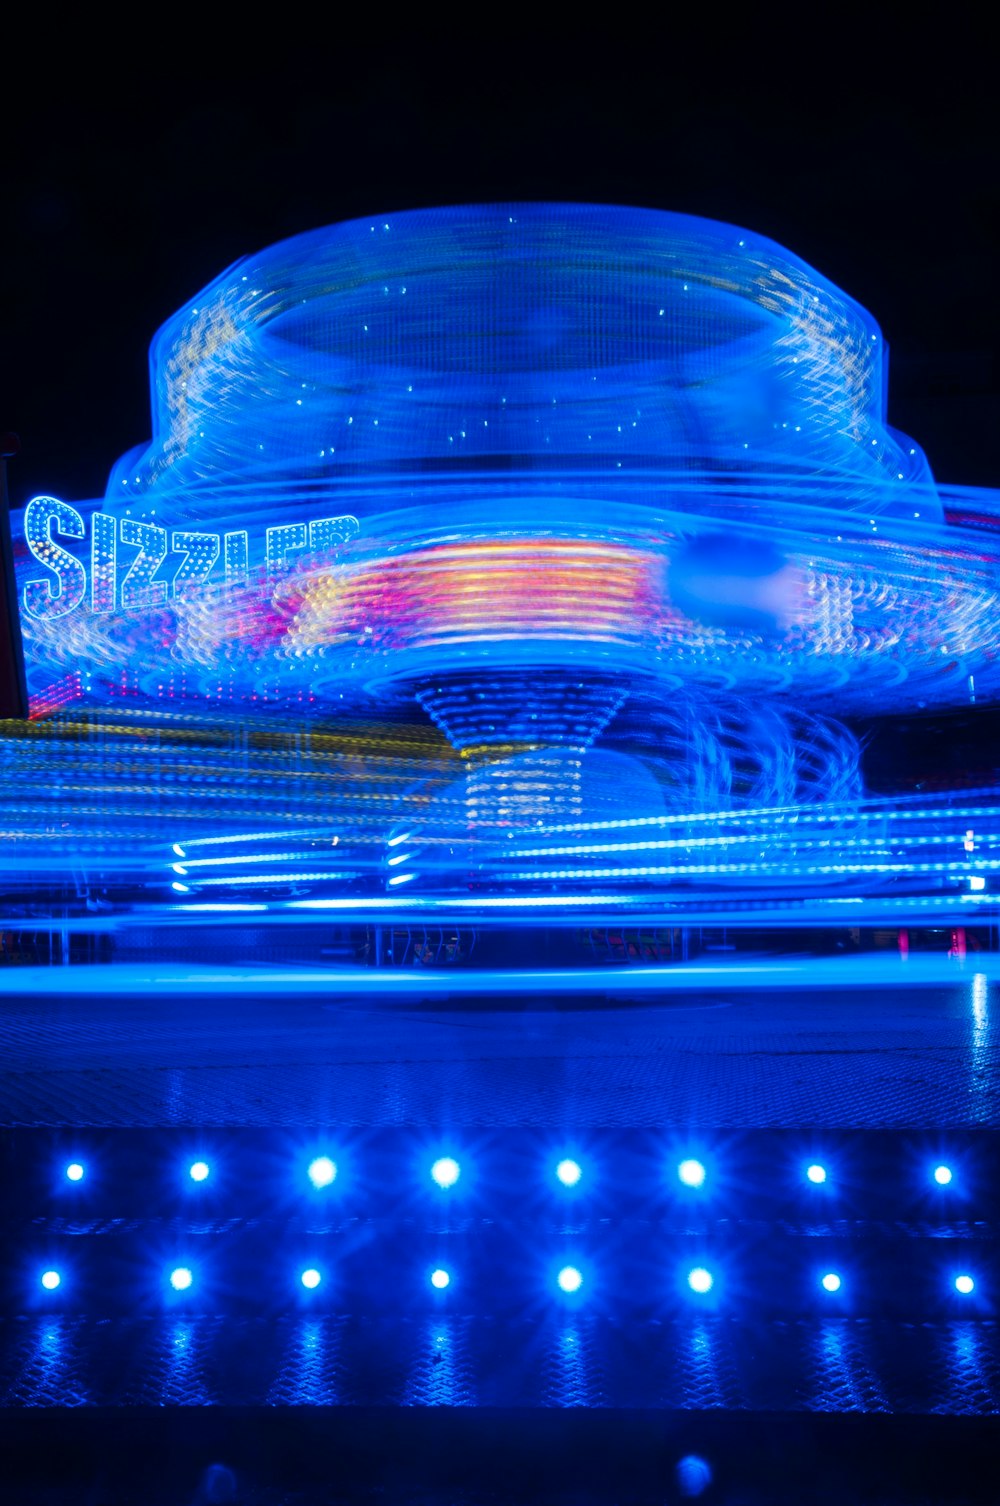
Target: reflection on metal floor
(751, 1089)
(818, 1364)
(724, 1054)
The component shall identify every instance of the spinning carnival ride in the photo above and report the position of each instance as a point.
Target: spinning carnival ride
(594, 510)
(488, 567)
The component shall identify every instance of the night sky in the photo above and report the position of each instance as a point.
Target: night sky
(134, 175)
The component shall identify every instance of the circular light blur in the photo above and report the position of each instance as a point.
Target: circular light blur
(942, 1175)
(700, 1280)
(816, 1174)
(199, 1171)
(570, 1279)
(830, 1282)
(694, 1475)
(322, 1171)
(50, 1280)
(446, 1172)
(310, 1279)
(691, 1173)
(569, 1173)
(74, 1172)
(965, 1285)
(181, 1279)
(440, 1279)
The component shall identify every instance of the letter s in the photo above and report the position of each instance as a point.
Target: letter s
(42, 517)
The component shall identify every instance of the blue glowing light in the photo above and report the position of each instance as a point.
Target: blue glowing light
(75, 1172)
(693, 1475)
(440, 1279)
(570, 1279)
(816, 1174)
(311, 1279)
(322, 1172)
(50, 1280)
(181, 1278)
(691, 1173)
(651, 480)
(943, 1175)
(263, 516)
(965, 1285)
(199, 1171)
(446, 1171)
(830, 1282)
(569, 1172)
(700, 1280)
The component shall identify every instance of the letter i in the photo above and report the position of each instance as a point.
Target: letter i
(103, 563)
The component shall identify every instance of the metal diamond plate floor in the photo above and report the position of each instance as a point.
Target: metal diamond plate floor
(490, 1401)
(726, 1055)
(817, 1365)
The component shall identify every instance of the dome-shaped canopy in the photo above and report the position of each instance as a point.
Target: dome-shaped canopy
(655, 356)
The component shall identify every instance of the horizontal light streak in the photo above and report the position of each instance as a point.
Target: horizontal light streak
(236, 881)
(246, 857)
(872, 971)
(745, 870)
(794, 841)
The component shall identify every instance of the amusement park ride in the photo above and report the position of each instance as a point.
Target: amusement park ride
(490, 729)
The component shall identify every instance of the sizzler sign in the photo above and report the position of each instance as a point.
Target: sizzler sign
(138, 582)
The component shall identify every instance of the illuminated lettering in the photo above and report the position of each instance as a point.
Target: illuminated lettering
(279, 543)
(322, 534)
(103, 563)
(67, 586)
(200, 550)
(330, 533)
(140, 592)
(236, 557)
(42, 516)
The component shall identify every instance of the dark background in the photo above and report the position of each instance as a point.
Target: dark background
(140, 159)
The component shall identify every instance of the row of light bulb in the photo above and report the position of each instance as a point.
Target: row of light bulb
(569, 1280)
(446, 1171)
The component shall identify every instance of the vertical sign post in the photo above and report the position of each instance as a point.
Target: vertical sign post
(13, 687)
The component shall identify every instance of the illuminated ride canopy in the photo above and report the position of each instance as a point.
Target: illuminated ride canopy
(527, 466)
